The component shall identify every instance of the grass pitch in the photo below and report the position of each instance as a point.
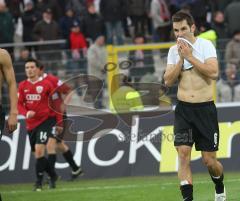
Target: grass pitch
(157, 188)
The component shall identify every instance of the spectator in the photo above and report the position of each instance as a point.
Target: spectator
(44, 30)
(19, 65)
(6, 27)
(113, 13)
(92, 24)
(142, 60)
(208, 33)
(231, 15)
(29, 18)
(219, 25)
(78, 46)
(14, 8)
(137, 10)
(232, 53)
(199, 10)
(79, 6)
(66, 23)
(97, 58)
(229, 90)
(42, 5)
(77, 40)
(220, 28)
(220, 4)
(161, 21)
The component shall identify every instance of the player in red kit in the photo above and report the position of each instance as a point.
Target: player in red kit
(33, 96)
(61, 89)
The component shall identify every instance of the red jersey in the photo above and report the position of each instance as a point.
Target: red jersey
(57, 101)
(34, 96)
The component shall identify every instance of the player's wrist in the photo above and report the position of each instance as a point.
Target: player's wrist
(13, 113)
(189, 57)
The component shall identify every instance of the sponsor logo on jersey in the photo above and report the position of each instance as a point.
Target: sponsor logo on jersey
(33, 97)
(39, 89)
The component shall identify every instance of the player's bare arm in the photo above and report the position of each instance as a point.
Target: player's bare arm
(8, 73)
(173, 71)
(209, 68)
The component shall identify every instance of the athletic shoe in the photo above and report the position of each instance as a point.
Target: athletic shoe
(52, 182)
(37, 187)
(221, 196)
(77, 173)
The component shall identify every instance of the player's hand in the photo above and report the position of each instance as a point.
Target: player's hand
(179, 50)
(12, 123)
(59, 130)
(184, 49)
(30, 114)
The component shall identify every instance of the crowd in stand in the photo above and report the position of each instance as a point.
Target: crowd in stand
(82, 22)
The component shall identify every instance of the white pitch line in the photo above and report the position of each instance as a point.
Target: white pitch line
(113, 187)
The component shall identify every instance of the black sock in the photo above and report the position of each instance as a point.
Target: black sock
(41, 164)
(187, 192)
(51, 165)
(69, 158)
(218, 181)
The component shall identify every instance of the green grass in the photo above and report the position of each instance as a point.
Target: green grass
(161, 188)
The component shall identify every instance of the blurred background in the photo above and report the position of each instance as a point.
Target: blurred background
(70, 37)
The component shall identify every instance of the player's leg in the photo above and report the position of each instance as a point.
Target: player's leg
(41, 164)
(207, 143)
(183, 141)
(67, 154)
(41, 161)
(51, 145)
(184, 172)
(51, 150)
(215, 169)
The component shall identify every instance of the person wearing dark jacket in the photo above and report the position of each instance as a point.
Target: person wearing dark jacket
(6, 26)
(220, 28)
(231, 15)
(113, 13)
(137, 10)
(44, 30)
(29, 18)
(66, 22)
(92, 24)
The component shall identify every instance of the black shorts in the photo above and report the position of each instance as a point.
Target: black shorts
(196, 123)
(2, 122)
(41, 133)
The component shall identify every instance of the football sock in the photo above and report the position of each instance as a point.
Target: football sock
(218, 181)
(186, 190)
(51, 165)
(69, 158)
(40, 167)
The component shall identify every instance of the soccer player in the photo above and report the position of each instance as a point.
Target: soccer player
(193, 62)
(7, 73)
(33, 99)
(61, 89)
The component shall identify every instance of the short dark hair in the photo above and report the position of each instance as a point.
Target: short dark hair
(38, 64)
(183, 15)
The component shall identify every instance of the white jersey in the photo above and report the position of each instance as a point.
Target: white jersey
(202, 50)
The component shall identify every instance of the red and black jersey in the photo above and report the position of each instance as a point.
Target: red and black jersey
(34, 96)
(56, 103)
(58, 85)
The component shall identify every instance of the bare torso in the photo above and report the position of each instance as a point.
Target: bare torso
(194, 87)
